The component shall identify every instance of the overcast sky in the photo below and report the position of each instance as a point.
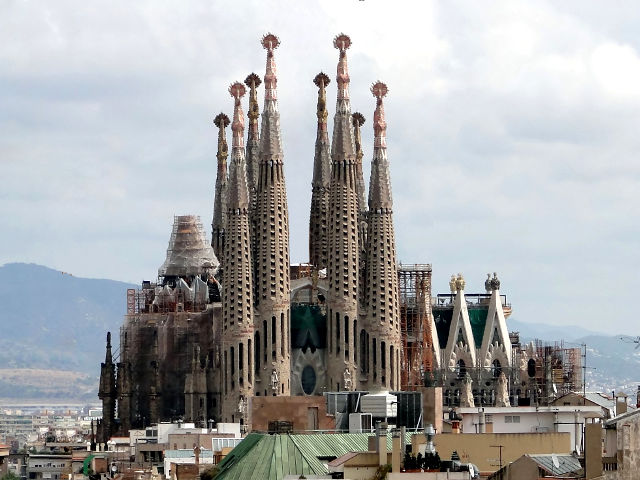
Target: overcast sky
(512, 134)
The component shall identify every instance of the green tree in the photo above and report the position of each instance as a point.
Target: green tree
(9, 476)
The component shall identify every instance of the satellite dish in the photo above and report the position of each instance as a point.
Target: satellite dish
(555, 461)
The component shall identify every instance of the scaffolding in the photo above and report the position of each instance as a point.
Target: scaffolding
(414, 285)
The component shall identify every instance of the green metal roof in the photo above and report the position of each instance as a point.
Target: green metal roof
(262, 456)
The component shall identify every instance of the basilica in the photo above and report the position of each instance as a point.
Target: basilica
(230, 318)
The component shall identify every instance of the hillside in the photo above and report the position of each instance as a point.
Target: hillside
(54, 321)
(53, 329)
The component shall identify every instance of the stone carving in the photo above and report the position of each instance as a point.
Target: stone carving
(502, 392)
(460, 283)
(348, 384)
(495, 283)
(275, 379)
(452, 284)
(466, 395)
(487, 283)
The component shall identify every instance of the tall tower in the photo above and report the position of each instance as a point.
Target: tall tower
(219, 205)
(237, 298)
(343, 255)
(358, 122)
(107, 393)
(381, 297)
(253, 139)
(272, 240)
(321, 179)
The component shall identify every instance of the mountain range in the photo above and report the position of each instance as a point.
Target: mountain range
(53, 327)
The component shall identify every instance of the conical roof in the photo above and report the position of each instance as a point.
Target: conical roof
(188, 252)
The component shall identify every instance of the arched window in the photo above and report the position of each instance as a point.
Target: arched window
(461, 368)
(531, 367)
(364, 361)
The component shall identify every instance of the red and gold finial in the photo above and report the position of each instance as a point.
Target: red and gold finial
(253, 81)
(322, 80)
(342, 42)
(237, 91)
(358, 119)
(221, 121)
(379, 91)
(270, 42)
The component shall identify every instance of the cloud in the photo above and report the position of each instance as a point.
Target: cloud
(511, 132)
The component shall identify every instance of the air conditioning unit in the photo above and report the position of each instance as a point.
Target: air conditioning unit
(360, 423)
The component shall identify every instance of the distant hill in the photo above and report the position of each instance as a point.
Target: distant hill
(50, 320)
(53, 325)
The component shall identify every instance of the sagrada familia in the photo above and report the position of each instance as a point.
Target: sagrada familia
(231, 319)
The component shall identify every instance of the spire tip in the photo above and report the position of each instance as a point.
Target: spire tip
(221, 120)
(357, 118)
(237, 90)
(321, 79)
(254, 79)
(342, 42)
(270, 42)
(379, 90)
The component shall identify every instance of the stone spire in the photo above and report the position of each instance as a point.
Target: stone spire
(342, 242)
(253, 138)
(237, 297)
(321, 179)
(380, 183)
(219, 208)
(358, 121)
(107, 393)
(381, 298)
(272, 278)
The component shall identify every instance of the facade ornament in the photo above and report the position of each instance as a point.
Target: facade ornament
(342, 42)
(460, 283)
(466, 395)
(502, 393)
(487, 283)
(275, 379)
(495, 283)
(242, 406)
(452, 284)
(348, 384)
(322, 80)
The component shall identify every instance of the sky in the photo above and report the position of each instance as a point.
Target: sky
(512, 134)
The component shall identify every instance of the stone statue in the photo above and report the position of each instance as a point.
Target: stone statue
(495, 283)
(460, 283)
(487, 283)
(502, 392)
(275, 380)
(347, 379)
(242, 405)
(466, 395)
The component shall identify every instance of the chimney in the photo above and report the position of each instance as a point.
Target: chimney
(381, 444)
(621, 403)
(396, 450)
